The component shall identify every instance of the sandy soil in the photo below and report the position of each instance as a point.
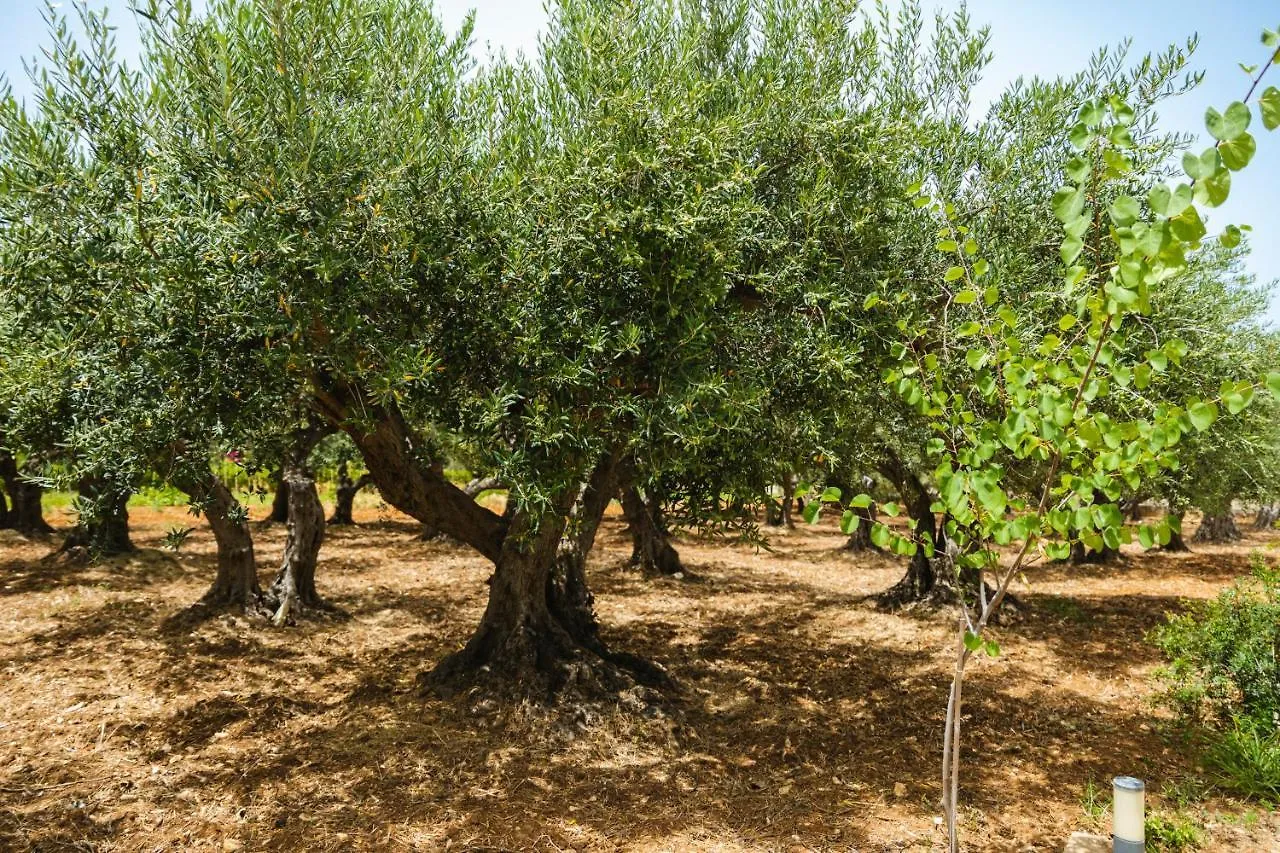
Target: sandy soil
(807, 719)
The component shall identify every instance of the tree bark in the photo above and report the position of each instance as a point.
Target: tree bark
(1085, 556)
(280, 501)
(651, 548)
(103, 530)
(921, 578)
(412, 485)
(236, 583)
(1176, 543)
(569, 598)
(295, 584)
(788, 500)
(519, 644)
(539, 634)
(860, 539)
(346, 495)
(26, 515)
(1266, 517)
(1217, 528)
(473, 489)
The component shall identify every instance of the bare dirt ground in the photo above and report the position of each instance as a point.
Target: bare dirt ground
(808, 720)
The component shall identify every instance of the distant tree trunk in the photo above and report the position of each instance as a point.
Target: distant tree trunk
(280, 501)
(346, 495)
(921, 577)
(1217, 528)
(788, 499)
(772, 509)
(104, 531)
(1132, 507)
(1266, 517)
(294, 587)
(26, 515)
(860, 538)
(928, 579)
(651, 548)
(1176, 543)
(236, 584)
(1082, 555)
(4, 511)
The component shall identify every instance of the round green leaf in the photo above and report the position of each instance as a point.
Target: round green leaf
(1269, 106)
(1228, 125)
(1202, 415)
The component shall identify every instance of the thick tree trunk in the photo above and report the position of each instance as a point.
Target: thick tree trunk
(1217, 528)
(569, 598)
(346, 495)
(473, 489)
(26, 515)
(103, 530)
(295, 584)
(651, 548)
(539, 633)
(1082, 555)
(519, 644)
(1132, 507)
(236, 584)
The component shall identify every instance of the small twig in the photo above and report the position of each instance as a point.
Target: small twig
(35, 789)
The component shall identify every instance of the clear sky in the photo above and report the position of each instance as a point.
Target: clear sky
(1029, 38)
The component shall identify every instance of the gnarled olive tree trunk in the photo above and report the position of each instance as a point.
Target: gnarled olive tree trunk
(651, 548)
(1266, 516)
(921, 579)
(1217, 528)
(345, 495)
(521, 645)
(236, 583)
(1176, 544)
(279, 501)
(860, 538)
(103, 528)
(26, 514)
(294, 587)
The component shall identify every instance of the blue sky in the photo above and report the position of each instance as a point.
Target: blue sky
(1029, 38)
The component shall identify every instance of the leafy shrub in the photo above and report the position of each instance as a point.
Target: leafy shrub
(1224, 673)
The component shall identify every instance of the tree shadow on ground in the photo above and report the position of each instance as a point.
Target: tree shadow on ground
(780, 738)
(141, 569)
(800, 714)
